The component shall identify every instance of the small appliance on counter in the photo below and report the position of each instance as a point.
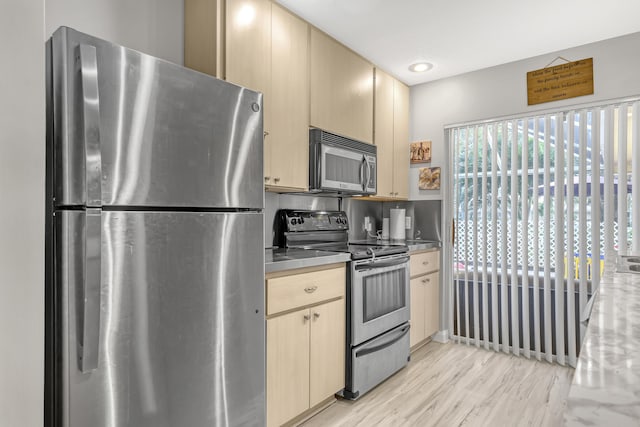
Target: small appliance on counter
(377, 293)
(397, 224)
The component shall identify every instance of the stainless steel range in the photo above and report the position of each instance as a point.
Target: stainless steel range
(377, 294)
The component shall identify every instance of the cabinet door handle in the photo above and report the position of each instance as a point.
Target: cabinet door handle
(425, 262)
(306, 317)
(310, 289)
(316, 315)
(267, 178)
(276, 179)
(427, 280)
(265, 133)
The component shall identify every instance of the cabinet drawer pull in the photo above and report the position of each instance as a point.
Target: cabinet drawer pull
(426, 280)
(310, 289)
(425, 262)
(316, 315)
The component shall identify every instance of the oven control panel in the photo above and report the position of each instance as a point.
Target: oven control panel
(298, 220)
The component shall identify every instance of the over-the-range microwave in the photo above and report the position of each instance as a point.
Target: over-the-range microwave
(341, 165)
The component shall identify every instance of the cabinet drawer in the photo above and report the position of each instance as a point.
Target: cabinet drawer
(298, 290)
(424, 263)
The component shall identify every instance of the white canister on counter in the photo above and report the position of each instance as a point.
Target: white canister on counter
(396, 224)
(385, 229)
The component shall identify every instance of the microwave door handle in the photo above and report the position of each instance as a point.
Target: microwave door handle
(363, 165)
(368, 170)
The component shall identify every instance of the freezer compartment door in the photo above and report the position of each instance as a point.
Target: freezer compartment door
(133, 130)
(179, 335)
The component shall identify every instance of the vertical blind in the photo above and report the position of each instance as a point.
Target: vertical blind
(537, 204)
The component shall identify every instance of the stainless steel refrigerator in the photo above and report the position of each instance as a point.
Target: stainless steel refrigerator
(155, 259)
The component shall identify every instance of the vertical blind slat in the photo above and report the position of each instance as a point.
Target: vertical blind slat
(515, 323)
(571, 324)
(559, 224)
(485, 297)
(635, 179)
(536, 239)
(595, 197)
(504, 333)
(494, 237)
(622, 178)
(582, 194)
(608, 148)
(547, 237)
(466, 236)
(456, 291)
(476, 322)
(526, 337)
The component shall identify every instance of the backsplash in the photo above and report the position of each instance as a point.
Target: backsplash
(275, 201)
(426, 215)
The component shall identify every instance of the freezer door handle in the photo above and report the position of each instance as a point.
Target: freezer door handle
(90, 310)
(91, 123)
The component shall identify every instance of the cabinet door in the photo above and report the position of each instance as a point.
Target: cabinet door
(383, 135)
(432, 304)
(288, 138)
(401, 140)
(287, 366)
(327, 350)
(341, 89)
(248, 47)
(417, 310)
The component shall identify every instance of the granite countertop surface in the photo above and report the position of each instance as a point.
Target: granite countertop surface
(606, 386)
(287, 259)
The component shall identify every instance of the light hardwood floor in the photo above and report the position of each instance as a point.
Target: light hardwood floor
(454, 385)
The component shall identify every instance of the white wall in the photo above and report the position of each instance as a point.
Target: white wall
(22, 128)
(151, 26)
(501, 91)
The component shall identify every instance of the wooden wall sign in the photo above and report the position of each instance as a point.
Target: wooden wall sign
(560, 82)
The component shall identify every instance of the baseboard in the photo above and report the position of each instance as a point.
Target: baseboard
(441, 337)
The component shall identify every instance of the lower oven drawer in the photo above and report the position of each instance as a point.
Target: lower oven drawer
(376, 360)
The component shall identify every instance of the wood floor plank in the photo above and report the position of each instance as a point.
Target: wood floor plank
(459, 385)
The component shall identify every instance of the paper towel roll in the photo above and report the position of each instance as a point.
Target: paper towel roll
(396, 224)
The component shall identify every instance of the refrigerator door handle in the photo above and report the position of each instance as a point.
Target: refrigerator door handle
(90, 310)
(91, 123)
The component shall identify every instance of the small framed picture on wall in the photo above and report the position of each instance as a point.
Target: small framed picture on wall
(421, 152)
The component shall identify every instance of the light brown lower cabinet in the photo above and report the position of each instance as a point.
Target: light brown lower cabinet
(425, 296)
(305, 347)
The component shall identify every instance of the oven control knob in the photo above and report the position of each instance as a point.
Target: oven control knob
(294, 221)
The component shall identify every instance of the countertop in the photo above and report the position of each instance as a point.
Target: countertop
(288, 259)
(277, 259)
(606, 386)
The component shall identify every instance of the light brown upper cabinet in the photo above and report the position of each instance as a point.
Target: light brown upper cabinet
(259, 45)
(392, 136)
(341, 86)
(287, 144)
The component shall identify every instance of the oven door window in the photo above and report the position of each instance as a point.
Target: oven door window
(383, 293)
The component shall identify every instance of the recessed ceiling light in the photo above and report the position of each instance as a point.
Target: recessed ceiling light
(420, 67)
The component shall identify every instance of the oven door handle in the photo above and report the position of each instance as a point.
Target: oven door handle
(371, 265)
(401, 333)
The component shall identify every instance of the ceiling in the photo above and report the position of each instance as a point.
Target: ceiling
(458, 36)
